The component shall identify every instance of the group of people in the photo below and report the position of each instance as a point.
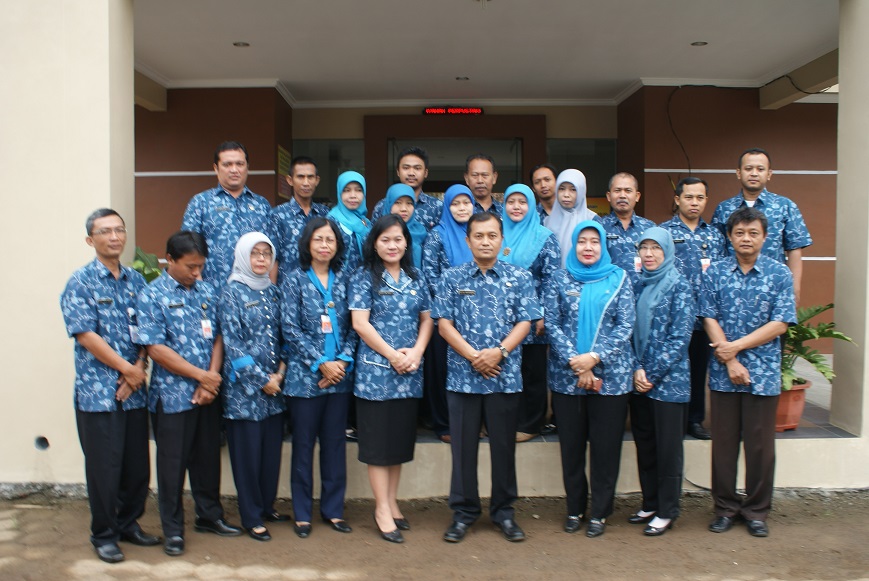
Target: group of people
(480, 306)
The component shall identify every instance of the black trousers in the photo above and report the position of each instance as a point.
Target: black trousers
(255, 453)
(532, 401)
(435, 384)
(698, 355)
(658, 428)
(117, 469)
(751, 419)
(187, 442)
(599, 422)
(467, 412)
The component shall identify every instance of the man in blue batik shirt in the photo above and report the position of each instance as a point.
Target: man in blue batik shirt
(223, 213)
(484, 310)
(289, 219)
(178, 324)
(623, 226)
(543, 179)
(412, 169)
(480, 177)
(746, 303)
(98, 307)
(788, 234)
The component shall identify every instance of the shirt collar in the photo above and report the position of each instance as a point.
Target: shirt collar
(400, 284)
(219, 190)
(761, 197)
(475, 270)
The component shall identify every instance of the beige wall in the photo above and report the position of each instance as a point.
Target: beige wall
(67, 149)
(561, 122)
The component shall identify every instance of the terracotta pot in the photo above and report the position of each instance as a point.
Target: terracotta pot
(790, 407)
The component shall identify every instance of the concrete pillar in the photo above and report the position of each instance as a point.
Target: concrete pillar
(850, 405)
(67, 149)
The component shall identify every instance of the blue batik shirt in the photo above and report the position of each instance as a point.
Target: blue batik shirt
(427, 210)
(434, 261)
(541, 211)
(484, 308)
(250, 323)
(544, 266)
(352, 255)
(786, 231)
(743, 303)
(704, 242)
(222, 219)
(561, 296)
(394, 310)
(666, 358)
(496, 208)
(287, 222)
(622, 244)
(95, 301)
(170, 314)
(302, 326)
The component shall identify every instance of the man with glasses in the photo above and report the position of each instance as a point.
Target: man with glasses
(98, 307)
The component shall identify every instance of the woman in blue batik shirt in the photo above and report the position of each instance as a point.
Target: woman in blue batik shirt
(249, 314)
(401, 200)
(589, 316)
(534, 248)
(349, 214)
(320, 350)
(389, 306)
(570, 209)
(665, 320)
(444, 248)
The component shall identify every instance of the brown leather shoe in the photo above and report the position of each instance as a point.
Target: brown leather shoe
(524, 436)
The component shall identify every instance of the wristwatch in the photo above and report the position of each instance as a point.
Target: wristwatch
(504, 352)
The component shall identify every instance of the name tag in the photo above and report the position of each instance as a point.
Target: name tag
(678, 240)
(612, 236)
(572, 293)
(251, 304)
(105, 301)
(176, 305)
(468, 292)
(385, 292)
(222, 209)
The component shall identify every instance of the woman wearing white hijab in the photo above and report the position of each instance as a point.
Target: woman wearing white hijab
(569, 210)
(249, 316)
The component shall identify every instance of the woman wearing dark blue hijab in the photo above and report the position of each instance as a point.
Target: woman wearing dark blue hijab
(589, 316)
(665, 320)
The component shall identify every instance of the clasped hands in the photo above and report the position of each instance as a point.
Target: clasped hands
(582, 367)
(406, 360)
(725, 352)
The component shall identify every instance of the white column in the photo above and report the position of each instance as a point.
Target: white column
(850, 407)
(67, 148)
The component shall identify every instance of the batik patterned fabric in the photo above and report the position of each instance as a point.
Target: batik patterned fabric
(221, 220)
(484, 308)
(94, 301)
(394, 308)
(622, 244)
(742, 303)
(287, 222)
(427, 210)
(544, 266)
(170, 314)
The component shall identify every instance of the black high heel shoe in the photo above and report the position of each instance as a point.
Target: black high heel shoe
(651, 531)
(392, 536)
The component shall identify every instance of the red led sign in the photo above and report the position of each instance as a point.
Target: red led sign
(452, 111)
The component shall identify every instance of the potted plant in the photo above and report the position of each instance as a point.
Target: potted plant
(146, 264)
(793, 396)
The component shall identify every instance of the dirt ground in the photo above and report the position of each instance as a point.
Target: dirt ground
(813, 536)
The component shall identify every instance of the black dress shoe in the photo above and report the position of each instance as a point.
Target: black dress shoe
(402, 524)
(456, 532)
(276, 517)
(572, 524)
(651, 531)
(596, 527)
(721, 524)
(548, 429)
(174, 546)
(303, 531)
(512, 531)
(637, 519)
(141, 538)
(218, 527)
(110, 553)
(259, 536)
(697, 430)
(339, 525)
(757, 528)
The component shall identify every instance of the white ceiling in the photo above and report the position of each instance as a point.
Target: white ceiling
(351, 53)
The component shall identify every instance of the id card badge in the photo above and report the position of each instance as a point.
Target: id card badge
(133, 326)
(638, 263)
(325, 324)
(704, 263)
(206, 329)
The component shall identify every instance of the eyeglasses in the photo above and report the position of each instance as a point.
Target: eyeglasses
(257, 254)
(120, 231)
(650, 247)
(322, 240)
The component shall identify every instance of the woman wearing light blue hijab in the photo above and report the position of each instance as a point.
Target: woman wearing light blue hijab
(401, 200)
(665, 320)
(535, 248)
(349, 214)
(589, 316)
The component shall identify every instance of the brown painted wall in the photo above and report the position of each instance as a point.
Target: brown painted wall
(183, 139)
